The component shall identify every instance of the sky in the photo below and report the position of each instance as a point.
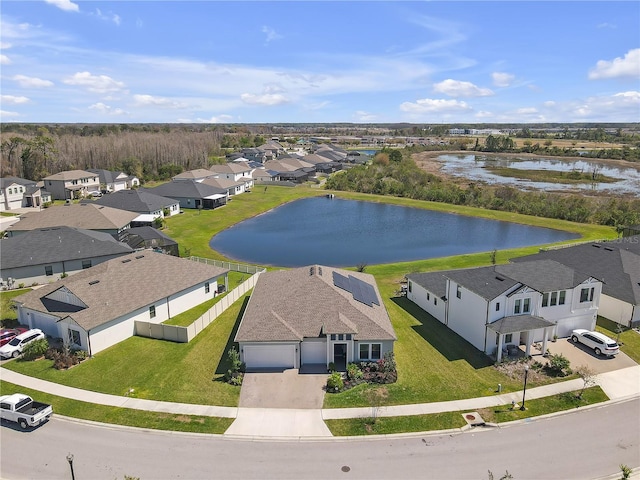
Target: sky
(65, 61)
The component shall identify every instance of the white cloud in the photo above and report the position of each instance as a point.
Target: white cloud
(629, 66)
(455, 88)
(502, 79)
(66, 5)
(434, 105)
(4, 113)
(109, 17)
(607, 25)
(11, 99)
(150, 100)
(219, 119)
(4, 60)
(106, 109)
(362, 116)
(271, 34)
(4, 45)
(32, 82)
(95, 83)
(268, 99)
(549, 103)
(484, 114)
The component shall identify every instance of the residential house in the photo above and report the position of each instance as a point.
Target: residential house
(44, 255)
(197, 175)
(231, 186)
(262, 175)
(72, 184)
(88, 216)
(147, 205)
(235, 171)
(115, 181)
(98, 307)
(291, 169)
(617, 263)
(150, 238)
(514, 304)
(193, 194)
(18, 192)
(314, 315)
(254, 154)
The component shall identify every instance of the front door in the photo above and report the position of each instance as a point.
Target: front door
(340, 356)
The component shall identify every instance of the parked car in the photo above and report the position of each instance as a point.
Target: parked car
(601, 344)
(16, 345)
(23, 410)
(6, 334)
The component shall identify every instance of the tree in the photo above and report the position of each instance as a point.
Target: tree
(395, 156)
(588, 376)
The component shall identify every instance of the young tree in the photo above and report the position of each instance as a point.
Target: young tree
(588, 376)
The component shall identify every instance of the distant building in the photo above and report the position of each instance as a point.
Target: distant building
(72, 184)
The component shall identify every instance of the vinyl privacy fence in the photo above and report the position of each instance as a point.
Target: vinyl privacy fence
(179, 334)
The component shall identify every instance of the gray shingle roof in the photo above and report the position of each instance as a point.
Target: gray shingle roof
(107, 176)
(6, 181)
(123, 285)
(435, 282)
(71, 175)
(519, 323)
(88, 216)
(57, 244)
(187, 189)
(485, 281)
(293, 304)
(140, 201)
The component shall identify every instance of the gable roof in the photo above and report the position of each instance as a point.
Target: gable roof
(57, 244)
(187, 189)
(435, 282)
(124, 285)
(71, 175)
(305, 302)
(139, 235)
(196, 174)
(80, 215)
(8, 181)
(231, 168)
(107, 176)
(616, 263)
(140, 201)
(225, 183)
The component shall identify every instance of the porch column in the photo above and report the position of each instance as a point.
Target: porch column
(499, 352)
(527, 350)
(544, 340)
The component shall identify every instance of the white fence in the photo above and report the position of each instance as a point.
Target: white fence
(236, 267)
(179, 334)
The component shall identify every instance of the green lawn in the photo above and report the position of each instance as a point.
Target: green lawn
(629, 339)
(8, 314)
(123, 416)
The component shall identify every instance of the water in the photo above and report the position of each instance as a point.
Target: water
(341, 233)
(472, 168)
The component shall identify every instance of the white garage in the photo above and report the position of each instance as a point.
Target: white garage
(269, 356)
(314, 352)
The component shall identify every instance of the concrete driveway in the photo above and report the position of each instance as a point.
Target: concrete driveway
(579, 354)
(287, 389)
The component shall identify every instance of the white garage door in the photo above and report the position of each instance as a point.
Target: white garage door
(567, 325)
(269, 356)
(314, 352)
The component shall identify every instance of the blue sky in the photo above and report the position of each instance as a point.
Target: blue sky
(330, 61)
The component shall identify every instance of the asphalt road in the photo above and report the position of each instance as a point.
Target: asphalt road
(587, 444)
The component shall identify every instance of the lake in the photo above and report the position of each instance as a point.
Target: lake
(340, 233)
(474, 167)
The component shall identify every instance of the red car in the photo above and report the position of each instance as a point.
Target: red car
(6, 334)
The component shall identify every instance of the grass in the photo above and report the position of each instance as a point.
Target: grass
(551, 176)
(450, 420)
(161, 370)
(629, 339)
(8, 313)
(123, 416)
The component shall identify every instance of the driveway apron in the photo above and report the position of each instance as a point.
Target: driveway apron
(287, 389)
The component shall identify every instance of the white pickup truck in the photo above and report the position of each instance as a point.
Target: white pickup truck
(23, 410)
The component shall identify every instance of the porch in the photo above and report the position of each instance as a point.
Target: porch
(523, 325)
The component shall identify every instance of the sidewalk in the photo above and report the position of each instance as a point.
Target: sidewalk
(287, 423)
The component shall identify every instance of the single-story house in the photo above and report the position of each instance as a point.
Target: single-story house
(197, 175)
(513, 304)
(80, 215)
(43, 255)
(148, 205)
(149, 237)
(193, 194)
(314, 315)
(98, 307)
(72, 184)
(115, 181)
(18, 192)
(617, 263)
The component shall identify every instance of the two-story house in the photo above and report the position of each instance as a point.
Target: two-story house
(239, 172)
(18, 192)
(115, 181)
(514, 304)
(72, 184)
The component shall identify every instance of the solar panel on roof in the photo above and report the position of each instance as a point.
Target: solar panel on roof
(363, 292)
(341, 281)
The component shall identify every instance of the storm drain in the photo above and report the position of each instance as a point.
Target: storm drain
(473, 419)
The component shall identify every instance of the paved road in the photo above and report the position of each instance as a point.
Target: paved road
(589, 443)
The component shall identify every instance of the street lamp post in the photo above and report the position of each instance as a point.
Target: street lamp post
(524, 390)
(70, 460)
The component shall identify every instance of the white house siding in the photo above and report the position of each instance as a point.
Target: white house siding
(428, 301)
(108, 334)
(47, 323)
(65, 325)
(618, 310)
(467, 316)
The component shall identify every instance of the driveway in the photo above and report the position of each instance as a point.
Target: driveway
(287, 389)
(579, 355)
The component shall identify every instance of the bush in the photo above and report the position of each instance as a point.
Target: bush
(35, 349)
(558, 366)
(81, 354)
(354, 372)
(235, 374)
(335, 383)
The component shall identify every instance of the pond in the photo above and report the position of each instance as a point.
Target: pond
(340, 233)
(477, 168)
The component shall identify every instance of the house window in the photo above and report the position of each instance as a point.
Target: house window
(584, 295)
(458, 292)
(526, 306)
(428, 296)
(207, 288)
(370, 351)
(497, 306)
(591, 294)
(364, 351)
(545, 299)
(86, 264)
(74, 337)
(562, 297)
(508, 338)
(517, 306)
(152, 311)
(340, 336)
(409, 287)
(333, 336)
(348, 336)
(554, 298)
(48, 270)
(435, 301)
(375, 351)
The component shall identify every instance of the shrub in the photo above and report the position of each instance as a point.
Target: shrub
(335, 382)
(332, 367)
(81, 354)
(354, 372)
(558, 366)
(235, 374)
(35, 349)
